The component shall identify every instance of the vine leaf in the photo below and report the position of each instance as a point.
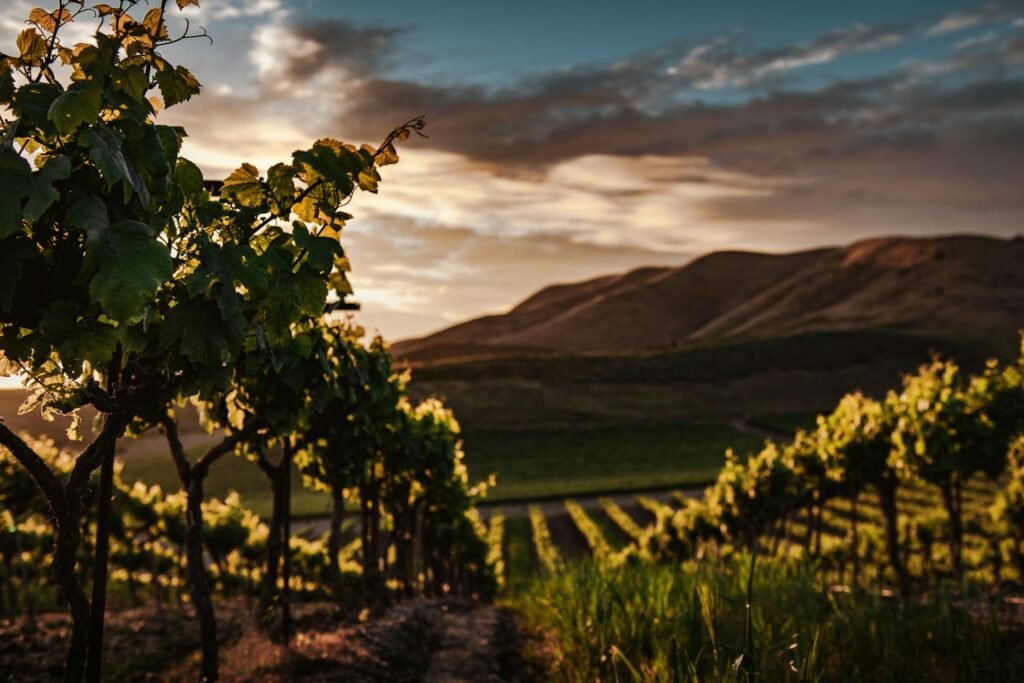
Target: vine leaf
(6, 83)
(16, 180)
(320, 250)
(31, 45)
(189, 177)
(130, 266)
(80, 104)
(106, 149)
(79, 338)
(131, 81)
(245, 186)
(177, 85)
(48, 20)
(123, 263)
(12, 252)
(281, 183)
(42, 193)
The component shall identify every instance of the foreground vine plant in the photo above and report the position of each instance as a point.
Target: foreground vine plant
(114, 254)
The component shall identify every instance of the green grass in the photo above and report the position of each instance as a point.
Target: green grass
(230, 473)
(536, 463)
(644, 622)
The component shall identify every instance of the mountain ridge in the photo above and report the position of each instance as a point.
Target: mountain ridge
(966, 287)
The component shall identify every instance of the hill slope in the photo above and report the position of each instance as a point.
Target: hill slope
(964, 289)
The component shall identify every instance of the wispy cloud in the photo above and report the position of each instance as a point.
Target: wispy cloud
(987, 13)
(722, 63)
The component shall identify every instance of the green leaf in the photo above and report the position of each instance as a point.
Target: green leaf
(182, 322)
(79, 337)
(6, 83)
(80, 104)
(176, 85)
(90, 215)
(43, 194)
(106, 149)
(245, 187)
(16, 181)
(189, 177)
(128, 265)
(293, 296)
(32, 103)
(13, 252)
(170, 138)
(131, 81)
(320, 251)
(330, 161)
(149, 150)
(281, 182)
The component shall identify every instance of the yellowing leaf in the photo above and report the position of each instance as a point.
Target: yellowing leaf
(182, 4)
(155, 24)
(244, 185)
(387, 156)
(42, 19)
(31, 45)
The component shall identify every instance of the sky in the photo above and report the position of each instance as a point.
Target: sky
(572, 139)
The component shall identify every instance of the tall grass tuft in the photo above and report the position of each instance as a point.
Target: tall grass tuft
(735, 620)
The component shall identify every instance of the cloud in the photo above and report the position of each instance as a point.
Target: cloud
(290, 55)
(988, 13)
(228, 9)
(411, 278)
(720, 63)
(613, 201)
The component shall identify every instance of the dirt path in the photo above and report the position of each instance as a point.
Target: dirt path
(421, 641)
(472, 647)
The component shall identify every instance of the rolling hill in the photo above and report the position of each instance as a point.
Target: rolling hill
(968, 290)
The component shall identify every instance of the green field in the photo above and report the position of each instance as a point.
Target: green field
(533, 463)
(538, 463)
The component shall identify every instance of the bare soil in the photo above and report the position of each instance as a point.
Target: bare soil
(424, 640)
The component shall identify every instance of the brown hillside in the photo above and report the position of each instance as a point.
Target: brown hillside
(968, 289)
